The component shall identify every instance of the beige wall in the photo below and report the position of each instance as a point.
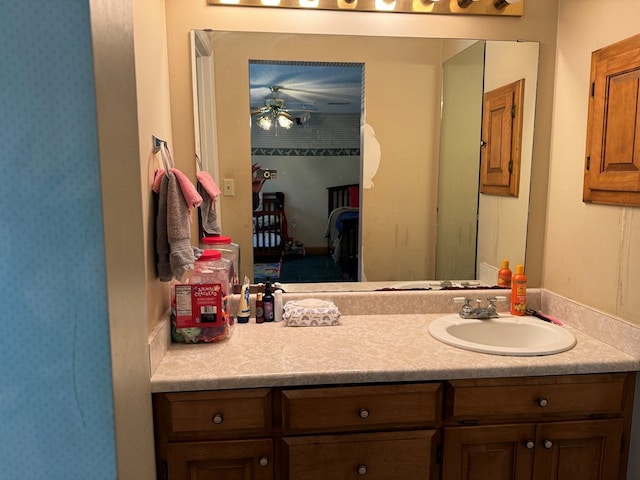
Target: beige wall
(132, 101)
(538, 24)
(592, 251)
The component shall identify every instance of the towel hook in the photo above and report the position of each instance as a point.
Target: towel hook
(161, 145)
(198, 163)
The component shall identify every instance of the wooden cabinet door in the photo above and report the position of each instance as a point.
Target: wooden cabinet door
(588, 450)
(612, 167)
(500, 452)
(232, 460)
(502, 140)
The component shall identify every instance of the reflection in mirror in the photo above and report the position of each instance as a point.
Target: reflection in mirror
(400, 146)
(305, 142)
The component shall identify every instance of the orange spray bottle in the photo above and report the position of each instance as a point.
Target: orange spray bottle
(519, 291)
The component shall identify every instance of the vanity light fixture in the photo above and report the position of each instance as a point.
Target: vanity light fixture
(385, 5)
(505, 8)
(504, 3)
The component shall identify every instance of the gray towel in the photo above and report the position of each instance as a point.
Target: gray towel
(182, 256)
(162, 242)
(207, 212)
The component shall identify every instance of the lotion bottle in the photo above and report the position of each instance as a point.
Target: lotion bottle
(519, 292)
(504, 275)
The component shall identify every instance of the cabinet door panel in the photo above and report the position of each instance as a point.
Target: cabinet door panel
(587, 450)
(495, 452)
(375, 456)
(232, 460)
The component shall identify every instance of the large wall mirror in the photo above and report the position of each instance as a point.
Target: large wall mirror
(419, 147)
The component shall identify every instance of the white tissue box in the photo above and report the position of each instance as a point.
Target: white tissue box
(310, 313)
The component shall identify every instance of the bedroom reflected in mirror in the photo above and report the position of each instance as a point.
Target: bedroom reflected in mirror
(305, 125)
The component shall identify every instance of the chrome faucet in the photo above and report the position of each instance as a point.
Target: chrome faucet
(480, 310)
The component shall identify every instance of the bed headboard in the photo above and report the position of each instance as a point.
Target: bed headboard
(343, 196)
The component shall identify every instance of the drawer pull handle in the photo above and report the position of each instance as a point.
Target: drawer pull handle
(543, 402)
(364, 413)
(529, 444)
(362, 470)
(547, 444)
(217, 418)
(263, 461)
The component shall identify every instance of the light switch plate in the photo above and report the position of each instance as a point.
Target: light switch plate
(228, 187)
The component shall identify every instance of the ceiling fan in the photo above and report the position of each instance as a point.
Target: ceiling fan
(274, 110)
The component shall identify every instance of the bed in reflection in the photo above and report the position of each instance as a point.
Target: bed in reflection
(270, 232)
(342, 228)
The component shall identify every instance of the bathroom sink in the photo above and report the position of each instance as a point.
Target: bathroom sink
(505, 335)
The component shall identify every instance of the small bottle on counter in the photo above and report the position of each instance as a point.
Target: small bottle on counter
(504, 275)
(259, 309)
(278, 308)
(519, 292)
(268, 302)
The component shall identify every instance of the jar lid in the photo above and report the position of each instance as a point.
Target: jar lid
(215, 240)
(209, 256)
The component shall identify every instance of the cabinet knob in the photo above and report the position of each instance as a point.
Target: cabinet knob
(263, 461)
(529, 444)
(217, 418)
(364, 413)
(547, 444)
(543, 402)
(362, 470)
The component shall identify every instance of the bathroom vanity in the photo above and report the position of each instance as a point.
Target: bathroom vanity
(377, 397)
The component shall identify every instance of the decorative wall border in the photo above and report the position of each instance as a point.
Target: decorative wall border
(306, 152)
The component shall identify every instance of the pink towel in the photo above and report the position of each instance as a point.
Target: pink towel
(209, 184)
(189, 192)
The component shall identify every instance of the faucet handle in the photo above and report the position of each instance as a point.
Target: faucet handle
(467, 310)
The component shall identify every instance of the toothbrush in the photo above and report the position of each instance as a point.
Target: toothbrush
(542, 316)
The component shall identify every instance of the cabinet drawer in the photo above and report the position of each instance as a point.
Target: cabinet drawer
(377, 456)
(360, 408)
(215, 413)
(536, 396)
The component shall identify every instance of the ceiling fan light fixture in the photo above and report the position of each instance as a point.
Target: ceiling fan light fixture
(264, 122)
(285, 122)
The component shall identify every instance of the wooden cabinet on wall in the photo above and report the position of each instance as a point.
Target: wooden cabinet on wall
(540, 428)
(612, 166)
(500, 157)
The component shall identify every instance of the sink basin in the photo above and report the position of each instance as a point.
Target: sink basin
(505, 335)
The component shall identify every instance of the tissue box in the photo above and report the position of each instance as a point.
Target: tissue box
(310, 313)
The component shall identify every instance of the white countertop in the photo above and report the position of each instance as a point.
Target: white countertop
(364, 349)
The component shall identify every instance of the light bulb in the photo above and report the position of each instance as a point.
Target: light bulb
(264, 122)
(284, 122)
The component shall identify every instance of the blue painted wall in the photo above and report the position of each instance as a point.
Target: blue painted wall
(56, 405)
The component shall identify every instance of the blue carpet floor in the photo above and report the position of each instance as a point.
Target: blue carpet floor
(309, 269)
